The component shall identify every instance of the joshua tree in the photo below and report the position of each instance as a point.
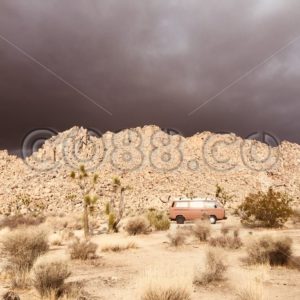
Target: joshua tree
(222, 196)
(115, 209)
(86, 183)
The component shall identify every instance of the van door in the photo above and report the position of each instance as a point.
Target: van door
(197, 210)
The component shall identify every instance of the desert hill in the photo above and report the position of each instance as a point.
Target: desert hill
(154, 164)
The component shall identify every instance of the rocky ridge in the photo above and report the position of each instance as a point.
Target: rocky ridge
(153, 163)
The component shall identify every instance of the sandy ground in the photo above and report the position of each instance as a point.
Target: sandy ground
(121, 276)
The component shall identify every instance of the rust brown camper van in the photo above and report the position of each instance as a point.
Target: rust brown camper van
(183, 210)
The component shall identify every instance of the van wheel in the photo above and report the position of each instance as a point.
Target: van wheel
(180, 219)
(213, 220)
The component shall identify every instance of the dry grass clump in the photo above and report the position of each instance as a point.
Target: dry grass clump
(202, 230)
(158, 220)
(14, 222)
(251, 285)
(83, 249)
(249, 293)
(137, 225)
(10, 295)
(171, 293)
(214, 269)
(177, 238)
(22, 247)
(166, 285)
(274, 251)
(225, 230)
(49, 275)
(227, 241)
(118, 247)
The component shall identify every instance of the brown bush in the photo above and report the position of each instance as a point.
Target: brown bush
(22, 247)
(118, 247)
(158, 220)
(13, 222)
(172, 293)
(271, 209)
(137, 225)
(49, 275)
(274, 251)
(225, 241)
(83, 249)
(225, 230)
(177, 238)
(202, 230)
(214, 269)
(10, 295)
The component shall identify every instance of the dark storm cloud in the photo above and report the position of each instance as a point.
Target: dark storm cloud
(150, 62)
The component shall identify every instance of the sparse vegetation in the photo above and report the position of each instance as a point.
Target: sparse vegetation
(249, 293)
(177, 238)
(10, 295)
(214, 269)
(83, 250)
(171, 293)
(202, 230)
(118, 247)
(165, 284)
(273, 251)
(22, 247)
(13, 222)
(158, 220)
(225, 240)
(48, 276)
(271, 209)
(137, 225)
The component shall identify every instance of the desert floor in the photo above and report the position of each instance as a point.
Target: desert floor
(122, 275)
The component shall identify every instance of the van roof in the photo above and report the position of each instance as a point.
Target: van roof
(195, 199)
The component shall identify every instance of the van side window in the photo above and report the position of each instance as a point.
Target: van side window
(182, 204)
(210, 204)
(196, 204)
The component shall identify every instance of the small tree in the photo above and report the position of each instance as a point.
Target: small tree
(222, 196)
(115, 209)
(271, 209)
(86, 183)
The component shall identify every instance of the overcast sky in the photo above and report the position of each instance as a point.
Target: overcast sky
(191, 65)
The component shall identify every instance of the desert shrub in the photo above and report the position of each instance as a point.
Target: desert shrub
(137, 225)
(177, 238)
(83, 249)
(13, 222)
(10, 295)
(266, 249)
(119, 247)
(225, 230)
(49, 275)
(167, 283)
(73, 290)
(171, 293)
(214, 269)
(249, 293)
(158, 220)
(202, 230)
(227, 241)
(271, 209)
(22, 247)
(111, 222)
